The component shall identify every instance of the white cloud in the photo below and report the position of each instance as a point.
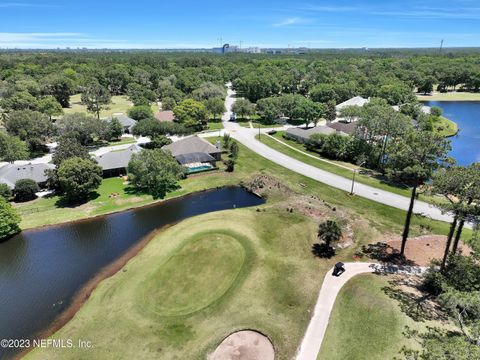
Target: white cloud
(291, 21)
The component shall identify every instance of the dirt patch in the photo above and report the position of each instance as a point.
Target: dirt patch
(423, 249)
(244, 345)
(308, 205)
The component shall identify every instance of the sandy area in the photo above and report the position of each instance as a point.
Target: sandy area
(244, 345)
(421, 250)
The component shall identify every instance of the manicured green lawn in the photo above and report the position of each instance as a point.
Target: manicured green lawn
(366, 324)
(256, 124)
(446, 127)
(450, 96)
(122, 141)
(120, 104)
(197, 282)
(215, 125)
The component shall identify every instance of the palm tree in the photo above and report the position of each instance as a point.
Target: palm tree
(329, 231)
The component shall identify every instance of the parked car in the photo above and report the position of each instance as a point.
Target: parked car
(233, 117)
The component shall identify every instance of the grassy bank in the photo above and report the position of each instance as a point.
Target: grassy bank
(197, 282)
(119, 104)
(384, 217)
(446, 127)
(336, 167)
(450, 96)
(366, 324)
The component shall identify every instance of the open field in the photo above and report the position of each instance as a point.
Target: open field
(197, 282)
(120, 104)
(450, 96)
(366, 324)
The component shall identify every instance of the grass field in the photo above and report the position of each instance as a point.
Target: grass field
(210, 275)
(450, 96)
(120, 104)
(197, 282)
(446, 127)
(366, 324)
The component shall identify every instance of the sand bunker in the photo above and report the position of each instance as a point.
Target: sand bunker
(244, 345)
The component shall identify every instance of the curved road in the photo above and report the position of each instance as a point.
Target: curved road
(247, 137)
(312, 341)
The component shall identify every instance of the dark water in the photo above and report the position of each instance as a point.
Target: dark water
(40, 270)
(465, 145)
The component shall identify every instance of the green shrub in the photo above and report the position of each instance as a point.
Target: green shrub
(25, 190)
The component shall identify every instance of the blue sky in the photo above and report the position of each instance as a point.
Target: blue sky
(272, 23)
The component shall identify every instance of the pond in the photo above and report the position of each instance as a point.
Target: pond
(41, 270)
(466, 144)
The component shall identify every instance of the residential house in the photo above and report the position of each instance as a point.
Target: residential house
(127, 122)
(115, 162)
(348, 128)
(195, 153)
(11, 173)
(302, 135)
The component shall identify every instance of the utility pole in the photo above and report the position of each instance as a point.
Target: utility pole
(441, 46)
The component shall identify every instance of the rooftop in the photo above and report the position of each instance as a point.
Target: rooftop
(124, 120)
(192, 144)
(355, 101)
(11, 173)
(117, 159)
(306, 133)
(166, 115)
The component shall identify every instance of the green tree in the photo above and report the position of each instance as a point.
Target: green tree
(461, 188)
(80, 126)
(5, 192)
(140, 112)
(96, 97)
(330, 111)
(208, 91)
(19, 101)
(436, 111)
(67, 148)
(243, 107)
(426, 85)
(77, 178)
(25, 190)
(9, 220)
(30, 126)
(234, 150)
(60, 87)
(50, 107)
(155, 172)
(269, 108)
(168, 103)
(190, 112)
(412, 160)
(115, 129)
(158, 141)
(329, 232)
(215, 106)
(12, 148)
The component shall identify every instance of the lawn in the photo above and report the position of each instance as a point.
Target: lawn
(122, 141)
(197, 282)
(366, 323)
(214, 125)
(382, 217)
(450, 96)
(119, 104)
(328, 165)
(257, 124)
(446, 127)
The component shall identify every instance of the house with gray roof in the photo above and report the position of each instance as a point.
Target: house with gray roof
(194, 144)
(127, 122)
(348, 128)
(115, 162)
(11, 173)
(302, 135)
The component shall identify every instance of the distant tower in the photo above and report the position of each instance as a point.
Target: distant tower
(441, 46)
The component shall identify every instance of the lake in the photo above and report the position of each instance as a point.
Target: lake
(466, 144)
(41, 270)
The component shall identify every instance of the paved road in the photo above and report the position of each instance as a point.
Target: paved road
(247, 137)
(312, 341)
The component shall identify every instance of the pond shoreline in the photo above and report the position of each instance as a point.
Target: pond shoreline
(84, 293)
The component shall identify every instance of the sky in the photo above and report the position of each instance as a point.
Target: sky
(271, 23)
